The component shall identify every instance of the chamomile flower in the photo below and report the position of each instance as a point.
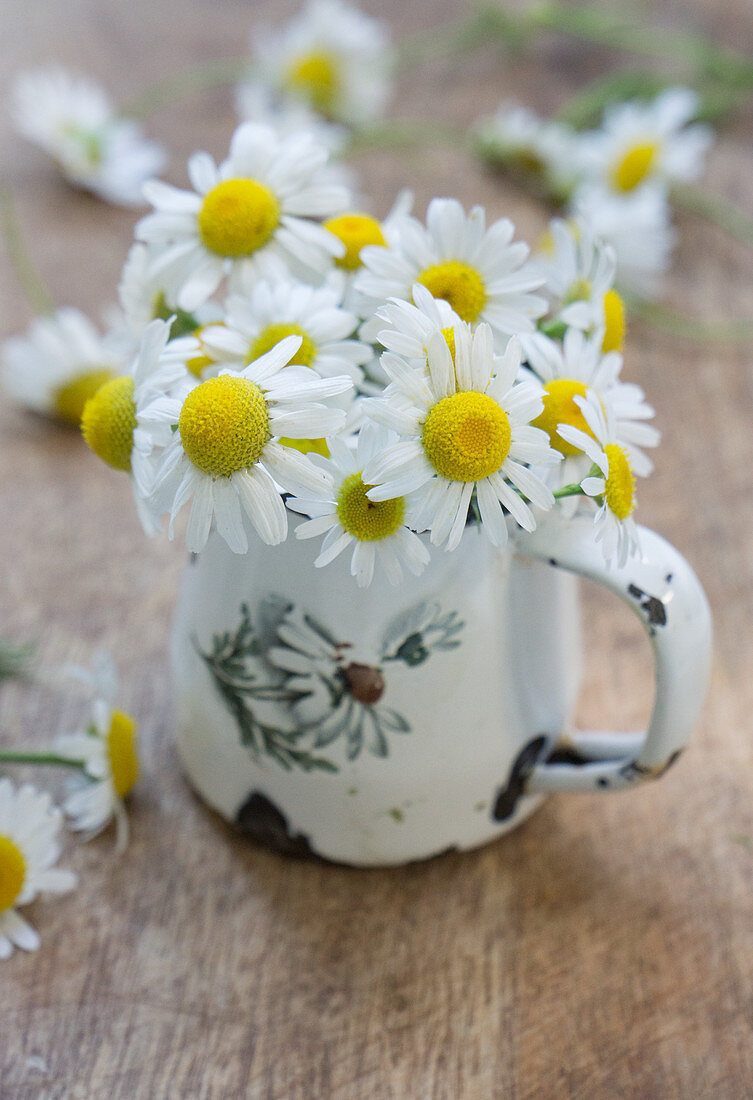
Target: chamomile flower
(29, 846)
(108, 751)
(637, 226)
(146, 294)
(255, 211)
(464, 428)
(331, 57)
(541, 150)
(641, 143)
(612, 482)
(59, 364)
(343, 513)
(263, 312)
(225, 452)
(481, 273)
(579, 270)
(410, 325)
(566, 371)
(256, 101)
(72, 119)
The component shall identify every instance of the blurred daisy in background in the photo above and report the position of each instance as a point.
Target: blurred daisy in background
(108, 750)
(331, 57)
(541, 151)
(464, 429)
(256, 209)
(481, 272)
(29, 846)
(641, 143)
(59, 364)
(379, 532)
(72, 119)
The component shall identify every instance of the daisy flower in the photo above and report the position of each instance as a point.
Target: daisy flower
(539, 149)
(339, 693)
(255, 101)
(410, 325)
(108, 752)
(225, 451)
(253, 211)
(579, 272)
(331, 57)
(264, 312)
(59, 364)
(647, 142)
(612, 481)
(110, 421)
(146, 294)
(72, 119)
(480, 272)
(29, 846)
(637, 226)
(343, 513)
(464, 428)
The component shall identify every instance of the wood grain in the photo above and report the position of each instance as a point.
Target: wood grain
(604, 949)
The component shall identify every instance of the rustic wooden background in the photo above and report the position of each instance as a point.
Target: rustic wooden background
(604, 949)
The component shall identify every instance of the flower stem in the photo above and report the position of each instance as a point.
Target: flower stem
(572, 490)
(14, 659)
(406, 131)
(716, 209)
(36, 292)
(9, 757)
(691, 328)
(207, 74)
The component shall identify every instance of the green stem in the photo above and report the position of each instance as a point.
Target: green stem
(690, 328)
(207, 74)
(738, 223)
(407, 131)
(608, 29)
(572, 490)
(14, 659)
(585, 107)
(38, 296)
(9, 757)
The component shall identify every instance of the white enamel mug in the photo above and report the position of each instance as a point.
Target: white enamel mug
(377, 726)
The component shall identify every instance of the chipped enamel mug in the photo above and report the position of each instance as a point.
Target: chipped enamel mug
(382, 725)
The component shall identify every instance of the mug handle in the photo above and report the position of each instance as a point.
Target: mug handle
(659, 586)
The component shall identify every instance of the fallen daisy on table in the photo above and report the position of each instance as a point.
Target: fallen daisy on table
(108, 754)
(29, 847)
(72, 119)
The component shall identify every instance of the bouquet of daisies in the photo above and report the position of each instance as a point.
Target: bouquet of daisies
(297, 358)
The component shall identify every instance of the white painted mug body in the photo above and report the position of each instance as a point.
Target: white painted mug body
(378, 726)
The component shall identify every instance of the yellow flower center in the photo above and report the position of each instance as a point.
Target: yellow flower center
(620, 486)
(355, 231)
(614, 317)
(12, 872)
(272, 334)
(69, 399)
(560, 408)
(527, 161)
(315, 75)
(306, 446)
(466, 436)
(224, 425)
(634, 165)
(367, 520)
(237, 217)
(121, 752)
(458, 284)
(199, 362)
(449, 336)
(108, 422)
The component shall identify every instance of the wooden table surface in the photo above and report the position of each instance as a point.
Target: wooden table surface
(605, 948)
